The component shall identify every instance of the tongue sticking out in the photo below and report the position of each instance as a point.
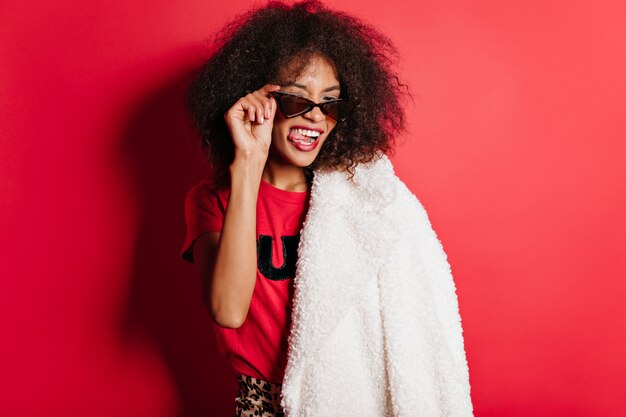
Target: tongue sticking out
(297, 136)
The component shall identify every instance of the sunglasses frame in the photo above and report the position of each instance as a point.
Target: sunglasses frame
(278, 94)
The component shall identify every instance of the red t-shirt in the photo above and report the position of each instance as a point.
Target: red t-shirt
(259, 347)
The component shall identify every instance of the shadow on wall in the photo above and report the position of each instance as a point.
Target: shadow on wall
(164, 306)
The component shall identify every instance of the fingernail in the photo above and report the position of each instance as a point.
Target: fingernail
(261, 120)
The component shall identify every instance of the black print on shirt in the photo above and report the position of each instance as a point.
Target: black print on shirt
(290, 254)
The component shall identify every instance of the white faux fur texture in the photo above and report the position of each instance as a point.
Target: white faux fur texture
(376, 329)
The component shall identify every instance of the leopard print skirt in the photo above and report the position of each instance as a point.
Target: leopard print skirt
(257, 398)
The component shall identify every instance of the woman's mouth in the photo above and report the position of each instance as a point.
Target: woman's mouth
(304, 139)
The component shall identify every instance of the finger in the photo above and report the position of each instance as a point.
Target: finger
(248, 108)
(259, 107)
(266, 103)
(238, 110)
(273, 108)
(268, 88)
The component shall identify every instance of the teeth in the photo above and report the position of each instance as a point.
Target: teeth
(306, 132)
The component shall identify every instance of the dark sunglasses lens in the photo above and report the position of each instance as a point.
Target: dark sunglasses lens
(333, 109)
(338, 110)
(293, 105)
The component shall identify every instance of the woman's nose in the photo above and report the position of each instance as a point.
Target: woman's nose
(315, 114)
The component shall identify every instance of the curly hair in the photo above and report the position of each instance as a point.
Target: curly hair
(255, 49)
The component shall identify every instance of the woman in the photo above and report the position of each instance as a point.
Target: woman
(291, 93)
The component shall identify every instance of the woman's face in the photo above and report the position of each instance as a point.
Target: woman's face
(290, 137)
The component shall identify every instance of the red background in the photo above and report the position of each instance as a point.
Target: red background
(516, 137)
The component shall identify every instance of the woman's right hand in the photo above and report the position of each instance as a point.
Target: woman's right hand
(250, 121)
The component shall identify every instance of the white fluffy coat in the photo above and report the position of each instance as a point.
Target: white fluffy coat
(376, 329)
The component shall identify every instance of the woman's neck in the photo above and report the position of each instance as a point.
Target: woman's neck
(286, 177)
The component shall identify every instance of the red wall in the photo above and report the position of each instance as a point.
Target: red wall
(517, 133)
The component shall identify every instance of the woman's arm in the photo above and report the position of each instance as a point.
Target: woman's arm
(231, 283)
(227, 261)
(204, 250)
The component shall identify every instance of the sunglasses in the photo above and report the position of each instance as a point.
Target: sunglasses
(292, 105)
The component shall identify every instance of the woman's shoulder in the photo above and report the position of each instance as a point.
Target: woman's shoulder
(206, 193)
